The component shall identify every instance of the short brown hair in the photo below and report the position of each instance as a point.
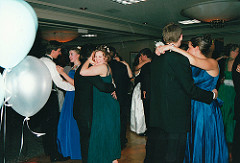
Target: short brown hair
(53, 45)
(171, 33)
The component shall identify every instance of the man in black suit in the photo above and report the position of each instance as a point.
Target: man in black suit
(83, 101)
(122, 81)
(172, 88)
(145, 79)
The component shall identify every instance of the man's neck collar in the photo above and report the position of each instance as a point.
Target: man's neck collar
(175, 44)
(48, 55)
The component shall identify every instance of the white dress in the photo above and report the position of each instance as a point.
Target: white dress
(137, 119)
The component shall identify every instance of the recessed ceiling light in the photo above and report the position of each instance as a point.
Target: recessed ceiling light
(194, 21)
(89, 35)
(128, 2)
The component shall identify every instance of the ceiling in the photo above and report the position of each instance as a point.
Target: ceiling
(114, 22)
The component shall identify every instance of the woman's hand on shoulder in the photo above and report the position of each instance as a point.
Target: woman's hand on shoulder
(238, 68)
(162, 49)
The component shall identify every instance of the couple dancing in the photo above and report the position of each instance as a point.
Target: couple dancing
(97, 113)
(176, 122)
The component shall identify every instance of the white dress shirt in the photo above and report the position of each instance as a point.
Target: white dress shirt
(57, 79)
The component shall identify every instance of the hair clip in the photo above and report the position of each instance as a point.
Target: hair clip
(108, 50)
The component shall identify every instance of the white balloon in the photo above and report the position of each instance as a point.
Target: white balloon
(2, 90)
(32, 12)
(17, 31)
(28, 85)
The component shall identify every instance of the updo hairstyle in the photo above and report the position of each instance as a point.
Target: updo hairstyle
(203, 42)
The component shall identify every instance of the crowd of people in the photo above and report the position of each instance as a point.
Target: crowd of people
(174, 102)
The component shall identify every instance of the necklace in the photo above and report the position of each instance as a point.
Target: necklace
(75, 67)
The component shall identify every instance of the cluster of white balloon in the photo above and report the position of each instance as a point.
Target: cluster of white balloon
(26, 81)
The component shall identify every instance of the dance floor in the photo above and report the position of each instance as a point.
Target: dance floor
(17, 134)
(133, 153)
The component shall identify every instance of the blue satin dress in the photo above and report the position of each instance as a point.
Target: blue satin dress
(68, 137)
(206, 141)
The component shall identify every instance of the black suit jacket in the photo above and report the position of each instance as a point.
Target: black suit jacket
(172, 88)
(121, 80)
(145, 79)
(83, 101)
(236, 82)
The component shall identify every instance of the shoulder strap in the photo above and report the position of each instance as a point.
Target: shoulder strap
(108, 70)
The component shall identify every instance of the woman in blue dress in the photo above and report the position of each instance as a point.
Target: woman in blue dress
(104, 144)
(68, 137)
(206, 141)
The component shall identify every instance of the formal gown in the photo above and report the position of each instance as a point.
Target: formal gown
(137, 119)
(104, 144)
(206, 141)
(68, 137)
(227, 93)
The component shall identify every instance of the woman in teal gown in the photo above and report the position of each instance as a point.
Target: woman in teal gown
(205, 141)
(68, 136)
(104, 144)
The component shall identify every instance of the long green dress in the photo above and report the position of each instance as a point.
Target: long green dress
(227, 94)
(104, 145)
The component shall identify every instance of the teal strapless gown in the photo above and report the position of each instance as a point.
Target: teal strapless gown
(206, 141)
(68, 136)
(104, 144)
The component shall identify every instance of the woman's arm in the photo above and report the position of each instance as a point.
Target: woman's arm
(141, 64)
(219, 58)
(93, 70)
(130, 75)
(203, 63)
(61, 71)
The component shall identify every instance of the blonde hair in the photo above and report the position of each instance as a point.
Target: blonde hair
(105, 50)
(171, 33)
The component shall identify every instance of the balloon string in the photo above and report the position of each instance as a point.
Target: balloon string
(3, 113)
(5, 72)
(26, 119)
(6, 90)
(1, 117)
(35, 133)
(4, 137)
(4, 104)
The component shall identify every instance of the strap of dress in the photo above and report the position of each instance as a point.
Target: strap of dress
(108, 70)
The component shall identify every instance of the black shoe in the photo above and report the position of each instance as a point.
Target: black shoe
(123, 146)
(59, 158)
(143, 134)
(124, 141)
